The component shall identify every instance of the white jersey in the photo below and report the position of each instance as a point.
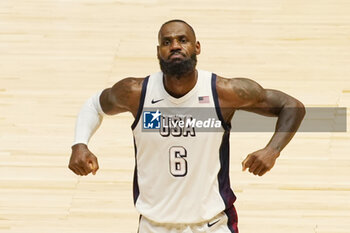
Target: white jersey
(182, 165)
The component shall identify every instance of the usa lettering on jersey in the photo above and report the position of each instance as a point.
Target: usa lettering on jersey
(185, 125)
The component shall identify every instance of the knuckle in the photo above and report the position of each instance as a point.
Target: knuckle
(72, 168)
(259, 160)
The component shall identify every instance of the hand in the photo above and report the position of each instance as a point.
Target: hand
(82, 161)
(261, 161)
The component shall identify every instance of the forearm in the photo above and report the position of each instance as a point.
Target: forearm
(89, 119)
(289, 120)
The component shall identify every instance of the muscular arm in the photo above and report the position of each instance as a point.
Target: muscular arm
(123, 96)
(290, 113)
(245, 94)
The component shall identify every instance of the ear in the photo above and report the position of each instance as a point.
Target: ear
(157, 50)
(198, 48)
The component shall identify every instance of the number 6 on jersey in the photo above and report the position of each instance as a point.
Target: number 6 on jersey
(177, 163)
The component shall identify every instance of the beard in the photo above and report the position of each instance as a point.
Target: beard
(178, 67)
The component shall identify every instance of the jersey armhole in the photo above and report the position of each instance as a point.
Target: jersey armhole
(216, 102)
(142, 100)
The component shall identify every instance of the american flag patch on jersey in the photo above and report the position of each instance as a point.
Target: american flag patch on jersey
(203, 99)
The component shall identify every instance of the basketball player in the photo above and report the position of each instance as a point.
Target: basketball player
(181, 178)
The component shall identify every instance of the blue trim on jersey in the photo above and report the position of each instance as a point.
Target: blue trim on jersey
(224, 152)
(136, 190)
(142, 100)
(226, 126)
(224, 173)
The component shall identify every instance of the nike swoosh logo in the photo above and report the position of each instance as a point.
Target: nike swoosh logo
(156, 101)
(211, 224)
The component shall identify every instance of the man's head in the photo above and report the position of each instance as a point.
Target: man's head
(178, 49)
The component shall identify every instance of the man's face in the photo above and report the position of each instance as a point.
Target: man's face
(177, 49)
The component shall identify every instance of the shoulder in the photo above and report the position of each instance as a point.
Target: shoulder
(130, 85)
(238, 92)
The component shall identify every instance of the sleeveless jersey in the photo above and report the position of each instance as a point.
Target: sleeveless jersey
(181, 167)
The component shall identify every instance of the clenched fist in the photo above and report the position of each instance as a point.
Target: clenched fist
(261, 161)
(82, 161)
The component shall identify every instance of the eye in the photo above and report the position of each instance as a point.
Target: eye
(183, 40)
(166, 42)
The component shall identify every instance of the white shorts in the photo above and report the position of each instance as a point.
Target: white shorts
(225, 222)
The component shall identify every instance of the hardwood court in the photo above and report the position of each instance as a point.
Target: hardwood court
(55, 54)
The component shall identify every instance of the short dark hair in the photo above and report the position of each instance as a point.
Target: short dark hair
(179, 21)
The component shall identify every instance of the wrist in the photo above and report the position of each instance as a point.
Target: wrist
(275, 151)
(79, 146)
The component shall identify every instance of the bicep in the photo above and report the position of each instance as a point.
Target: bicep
(239, 93)
(109, 102)
(122, 97)
(246, 94)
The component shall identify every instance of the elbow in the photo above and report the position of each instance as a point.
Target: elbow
(298, 107)
(301, 109)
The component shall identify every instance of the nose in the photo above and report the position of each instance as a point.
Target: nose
(175, 45)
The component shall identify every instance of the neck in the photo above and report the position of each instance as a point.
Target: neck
(180, 86)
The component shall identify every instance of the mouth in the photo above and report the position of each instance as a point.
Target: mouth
(176, 55)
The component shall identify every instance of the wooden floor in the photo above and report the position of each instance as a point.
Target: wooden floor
(55, 54)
